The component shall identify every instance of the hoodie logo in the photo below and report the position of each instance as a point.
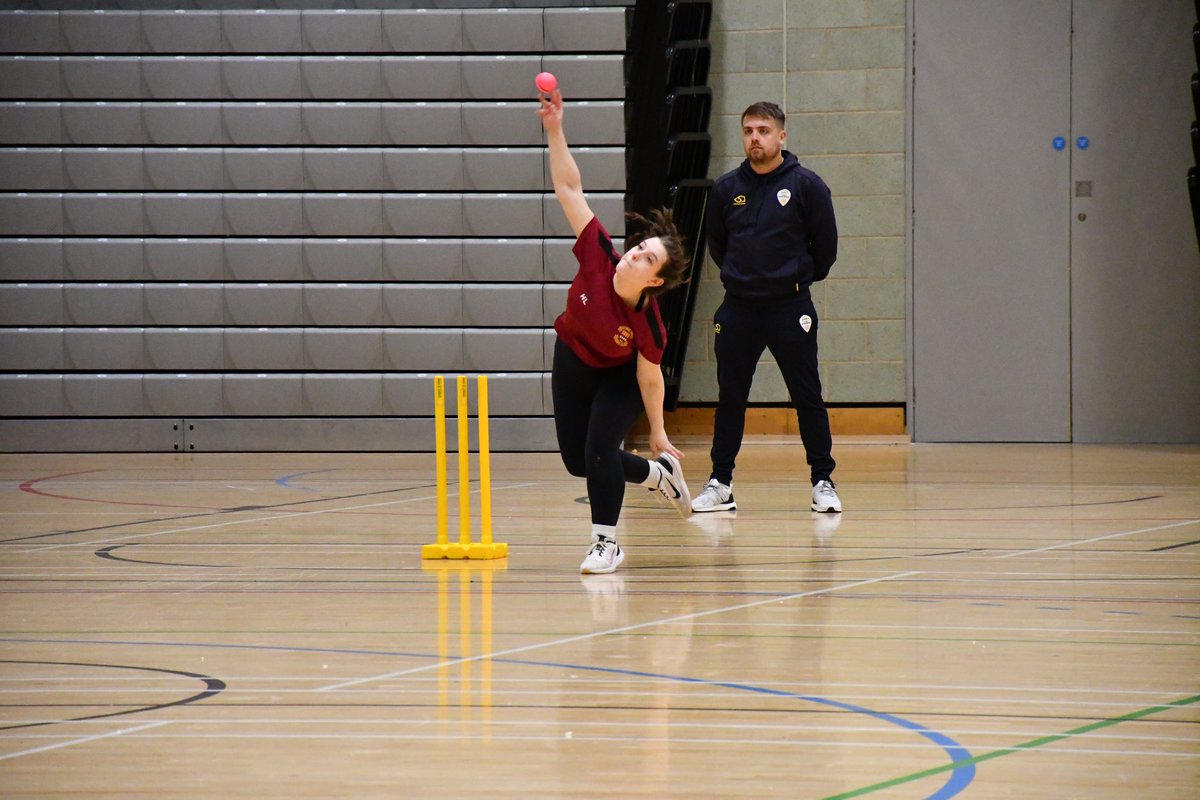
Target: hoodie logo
(740, 200)
(783, 195)
(806, 322)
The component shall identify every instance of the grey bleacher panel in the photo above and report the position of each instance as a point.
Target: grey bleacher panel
(261, 31)
(264, 304)
(499, 76)
(500, 123)
(549, 337)
(23, 122)
(515, 395)
(342, 123)
(502, 260)
(263, 395)
(341, 31)
(417, 123)
(102, 214)
(101, 32)
(185, 349)
(184, 259)
(423, 30)
(182, 31)
(31, 169)
(264, 259)
(583, 29)
(31, 348)
(503, 214)
(492, 350)
(601, 168)
(182, 123)
(102, 169)
(103, 395)
(264, 169)
(31, 77)
(28, 259)
(183, 214)
(343, 304)
(31, 396)
(264, 214)
(263, 123)
(350, 214)
(183, 395)
(344, 169)
(422, 77)
(412, 396)
(554, 300)
(558, 260)
(502, 305)
(265, 348)
(29, 31)
(184, 303)
(189, 169)
(344, 259)
(344, 349)
(32, 304)
(503, 169)
(424, 168)
(497, 30)
(103, 349)
(598, 122)
(261, 77)
(548, 386)
(342, 77)
(588, 76)
(424, 214)
(609, 208)
(422, 304)
(103, 303)
(423, 259)
(182, 77)
(343, 395)
(101, 77)
(103, 259)
(32, 214)
(102, 123)
(423, 349)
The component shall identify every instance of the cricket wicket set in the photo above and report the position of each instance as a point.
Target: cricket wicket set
(485, 548)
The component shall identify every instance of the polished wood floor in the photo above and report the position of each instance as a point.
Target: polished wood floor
(983, 621)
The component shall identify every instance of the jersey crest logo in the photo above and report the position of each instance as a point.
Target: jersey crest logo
(740, 200)
(783, 195)
(623, 336)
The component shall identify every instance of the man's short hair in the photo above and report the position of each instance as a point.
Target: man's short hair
(767, 110)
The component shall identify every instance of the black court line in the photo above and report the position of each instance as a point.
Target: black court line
(584, 501)
(1173, 546)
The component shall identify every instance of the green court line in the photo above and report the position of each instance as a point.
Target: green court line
(1017, 748)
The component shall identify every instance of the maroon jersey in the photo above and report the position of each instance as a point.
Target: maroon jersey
(597, 324)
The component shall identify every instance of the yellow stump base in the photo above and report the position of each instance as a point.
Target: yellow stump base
(474, 550)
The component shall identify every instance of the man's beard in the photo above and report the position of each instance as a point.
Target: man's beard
(760, 155)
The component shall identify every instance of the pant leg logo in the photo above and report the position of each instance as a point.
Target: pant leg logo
(806, 322)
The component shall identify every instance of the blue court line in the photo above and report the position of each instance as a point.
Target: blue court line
(286, 480)
(960, 776)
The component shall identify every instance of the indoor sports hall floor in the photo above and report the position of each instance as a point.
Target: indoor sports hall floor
(983, 621)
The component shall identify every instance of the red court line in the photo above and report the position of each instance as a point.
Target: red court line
(27, 486)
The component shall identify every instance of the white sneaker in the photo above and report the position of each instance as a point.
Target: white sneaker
(825, 497)
(673, 486)
(604, 556)
(715, 497)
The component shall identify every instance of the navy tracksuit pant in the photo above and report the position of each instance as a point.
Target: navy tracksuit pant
(744, 329)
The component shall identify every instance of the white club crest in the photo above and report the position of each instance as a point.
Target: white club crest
(783, 195)
(806, 322)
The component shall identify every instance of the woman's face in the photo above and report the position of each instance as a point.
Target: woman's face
(643, 261)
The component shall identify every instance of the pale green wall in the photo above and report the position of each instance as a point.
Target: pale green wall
(837, 67)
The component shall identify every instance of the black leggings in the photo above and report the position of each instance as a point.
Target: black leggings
(593, 412)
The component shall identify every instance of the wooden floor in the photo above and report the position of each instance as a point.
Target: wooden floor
(983, 621)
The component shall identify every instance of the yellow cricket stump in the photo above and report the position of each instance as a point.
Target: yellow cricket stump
(485, 548)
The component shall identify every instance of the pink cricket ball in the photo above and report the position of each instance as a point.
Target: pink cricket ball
(546, 82)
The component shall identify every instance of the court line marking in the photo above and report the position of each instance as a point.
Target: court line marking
(1098, 539)
(84, 739)
(610, 632)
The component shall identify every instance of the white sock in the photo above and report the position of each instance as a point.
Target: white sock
(604, 532)
(654, 475)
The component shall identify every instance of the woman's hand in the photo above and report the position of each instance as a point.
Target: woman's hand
(659, 443)
(551, 110)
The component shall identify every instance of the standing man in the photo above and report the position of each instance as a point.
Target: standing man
(771, 230)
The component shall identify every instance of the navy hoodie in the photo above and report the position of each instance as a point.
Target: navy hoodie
(772, 235)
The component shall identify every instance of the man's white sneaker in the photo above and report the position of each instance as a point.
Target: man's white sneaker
(715, 497)
(604, 556)
(825, 497)
(673, 486)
